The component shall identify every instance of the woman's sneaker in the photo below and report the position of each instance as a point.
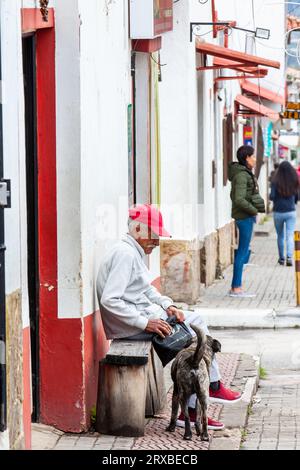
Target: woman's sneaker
(212, 424)
(289, 262)
(281, 261)
(241, 295)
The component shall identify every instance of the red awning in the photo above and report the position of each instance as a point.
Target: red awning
(257, 90)
(242, 58)
(253, 108)
(230, 64)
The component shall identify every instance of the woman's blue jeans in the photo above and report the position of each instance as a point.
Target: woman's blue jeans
(242, 254)
(287, 219)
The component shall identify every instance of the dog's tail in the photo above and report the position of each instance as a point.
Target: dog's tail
(200, 349)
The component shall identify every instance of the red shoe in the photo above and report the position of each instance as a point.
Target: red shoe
(224, 395)
(214, 425)
(211, 423)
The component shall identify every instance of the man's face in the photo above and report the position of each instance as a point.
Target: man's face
(148, 244)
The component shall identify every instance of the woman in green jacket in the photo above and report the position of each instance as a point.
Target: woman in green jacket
(246, 203)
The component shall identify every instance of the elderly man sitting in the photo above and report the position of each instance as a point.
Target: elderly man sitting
(131, 306)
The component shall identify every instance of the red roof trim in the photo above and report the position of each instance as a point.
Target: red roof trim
(225, 53)
(256, 108)
(230, 64)
(262, 92)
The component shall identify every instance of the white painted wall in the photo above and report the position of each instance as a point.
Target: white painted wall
(179, 127)
(68, 150)
(182, 92)
(105, 96)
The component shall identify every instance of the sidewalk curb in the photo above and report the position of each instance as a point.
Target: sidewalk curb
(250, 318)
(235, 416)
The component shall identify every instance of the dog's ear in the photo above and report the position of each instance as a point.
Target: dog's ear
(216, 346)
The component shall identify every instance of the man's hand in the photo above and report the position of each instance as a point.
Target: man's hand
(175, 312)
(160, 327)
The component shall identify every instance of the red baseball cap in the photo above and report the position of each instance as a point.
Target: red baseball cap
(149, 215)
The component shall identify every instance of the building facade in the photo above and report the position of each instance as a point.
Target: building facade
(99, 114)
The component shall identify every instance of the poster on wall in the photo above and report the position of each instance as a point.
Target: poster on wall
(163, 16)
(268, 142)
(248, 135)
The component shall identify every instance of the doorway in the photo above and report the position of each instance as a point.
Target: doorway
(30, 98)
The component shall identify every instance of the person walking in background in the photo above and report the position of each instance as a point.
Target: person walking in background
(273, 172)
(246, 204)
(284, 194)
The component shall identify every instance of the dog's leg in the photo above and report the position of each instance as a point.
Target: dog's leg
(198, 422)
(185, 410)
(203, 405)
(175, 407)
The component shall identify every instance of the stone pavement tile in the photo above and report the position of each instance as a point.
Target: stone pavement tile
(85, 443)
(101, 447)
(267, 447)
(230, 442)
(44, 441)
(123, 443)
(249, 447)
(105, 440)
(66, 443)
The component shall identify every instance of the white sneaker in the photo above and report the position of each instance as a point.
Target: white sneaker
(241, 295)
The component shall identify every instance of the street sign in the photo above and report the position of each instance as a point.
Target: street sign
(287, 114)
(293, 106)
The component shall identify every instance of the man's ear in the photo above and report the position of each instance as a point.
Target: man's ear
(138, 228)
(216, 346)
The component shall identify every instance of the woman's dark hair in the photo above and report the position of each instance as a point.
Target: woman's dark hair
(244, 152)
(286, 180)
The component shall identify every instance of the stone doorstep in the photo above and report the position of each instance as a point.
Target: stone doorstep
(235, 416)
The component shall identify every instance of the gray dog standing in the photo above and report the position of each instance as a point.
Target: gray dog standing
(190, 374)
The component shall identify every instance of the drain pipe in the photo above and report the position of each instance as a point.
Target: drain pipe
(3, 204)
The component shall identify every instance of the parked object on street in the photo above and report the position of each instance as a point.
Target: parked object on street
(284, 194)
(246, 204)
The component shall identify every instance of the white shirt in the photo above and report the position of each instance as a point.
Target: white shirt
(126, 297)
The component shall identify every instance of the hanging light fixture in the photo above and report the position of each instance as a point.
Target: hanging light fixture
(44, 9)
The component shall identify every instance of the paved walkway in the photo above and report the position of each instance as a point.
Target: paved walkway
(274, 285)
(274, 423)
(236, 372)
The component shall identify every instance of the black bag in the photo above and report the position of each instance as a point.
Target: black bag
(168, 347)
